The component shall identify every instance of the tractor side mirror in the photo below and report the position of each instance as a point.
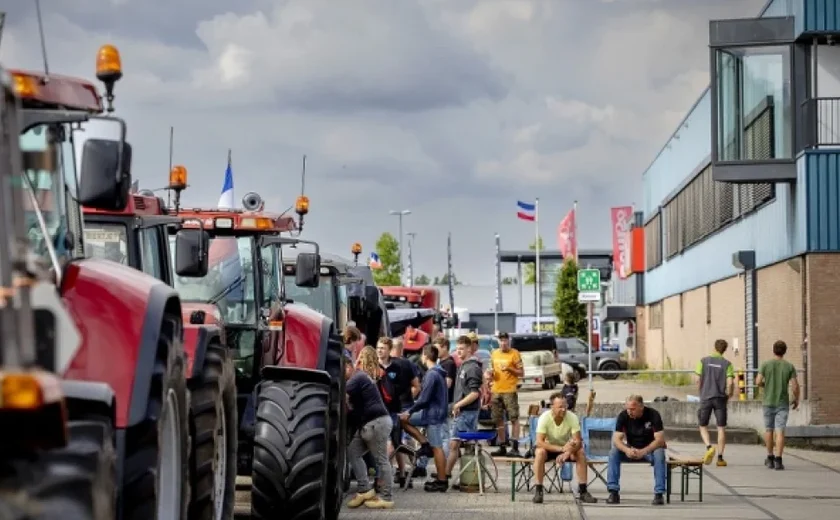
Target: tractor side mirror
(191, 258)
(105, 175)
(308, 270)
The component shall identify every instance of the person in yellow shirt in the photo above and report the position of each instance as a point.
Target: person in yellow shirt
(559, 438)
(506, 365)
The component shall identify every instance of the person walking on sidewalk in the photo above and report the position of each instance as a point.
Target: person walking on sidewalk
(429, 411)
(506, 365)
(716, 384)
(776, 376)
(372, 424)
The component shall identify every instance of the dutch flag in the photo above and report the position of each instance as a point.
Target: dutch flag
(527, 211)
(226, 199)
(374, 261)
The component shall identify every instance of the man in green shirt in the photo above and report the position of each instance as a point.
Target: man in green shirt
(775, 376)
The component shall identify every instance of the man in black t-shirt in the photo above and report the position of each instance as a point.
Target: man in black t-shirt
(448, 365)
(639, 436)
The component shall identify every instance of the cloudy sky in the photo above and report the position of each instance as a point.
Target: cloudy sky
(453, 109)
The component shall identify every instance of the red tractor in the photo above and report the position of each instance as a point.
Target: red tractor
(289, 358)
(138, 236)
(414, 315)
(34, 326)
(123, 380)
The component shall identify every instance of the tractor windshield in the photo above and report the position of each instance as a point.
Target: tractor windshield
(106, 241)
(322, 298)
(50, 166)
(229, 283)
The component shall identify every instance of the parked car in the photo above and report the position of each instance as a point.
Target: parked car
(543, 367)
(576, 353)
(486, 344)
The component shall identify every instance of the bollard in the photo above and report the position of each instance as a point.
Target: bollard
(742, 385)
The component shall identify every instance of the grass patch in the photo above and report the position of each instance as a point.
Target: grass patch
(671, 379)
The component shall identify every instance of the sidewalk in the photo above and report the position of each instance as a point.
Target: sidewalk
(808, 488)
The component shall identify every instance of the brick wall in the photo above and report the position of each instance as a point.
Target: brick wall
(823, 328)
(780, 311)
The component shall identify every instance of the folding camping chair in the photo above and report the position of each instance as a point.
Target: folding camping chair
(597, 436)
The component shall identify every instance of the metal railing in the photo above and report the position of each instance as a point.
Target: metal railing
(820, 122)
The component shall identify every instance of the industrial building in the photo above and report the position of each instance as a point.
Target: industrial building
(741, 209)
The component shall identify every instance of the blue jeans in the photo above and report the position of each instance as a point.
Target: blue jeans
(657, 458)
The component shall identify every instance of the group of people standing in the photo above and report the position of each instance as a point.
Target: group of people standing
(432, 401)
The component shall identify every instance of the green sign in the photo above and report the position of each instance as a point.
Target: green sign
(589, 281)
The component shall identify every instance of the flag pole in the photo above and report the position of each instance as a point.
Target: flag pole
(538, 289)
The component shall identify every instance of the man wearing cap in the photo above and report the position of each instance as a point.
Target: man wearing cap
(506, 366)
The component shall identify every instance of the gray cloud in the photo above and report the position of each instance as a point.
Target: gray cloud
(451, 109)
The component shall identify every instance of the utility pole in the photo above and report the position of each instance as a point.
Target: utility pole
(411, 258)
(401, 214)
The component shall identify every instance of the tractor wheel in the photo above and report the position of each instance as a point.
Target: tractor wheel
(73, 483)
(155, 483)
(213, 428)
(290, 451)
(337, 468)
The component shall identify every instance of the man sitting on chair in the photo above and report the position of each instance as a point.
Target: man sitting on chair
(558, 436)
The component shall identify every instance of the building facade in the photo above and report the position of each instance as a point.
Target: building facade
(741, 207)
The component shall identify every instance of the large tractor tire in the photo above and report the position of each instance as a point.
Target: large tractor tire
(73, 483)
(337, 465)
(213, 428)
(290, 451)
(155, 480)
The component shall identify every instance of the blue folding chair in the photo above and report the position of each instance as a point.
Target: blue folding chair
(597, 436)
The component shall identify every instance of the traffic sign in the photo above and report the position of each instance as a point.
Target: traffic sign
(589, 297)
(589, 281)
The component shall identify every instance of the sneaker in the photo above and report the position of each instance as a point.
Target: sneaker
(587, 498)
(709, 456)
(538, 495)
(514, 454)
(379, 503)
(777, 464)
(400, 479)
(770, 462)
(501, 452)
(658, 500)
(436, 486)
(721, 463)
(361, 498)
(614, 498)
(418, 473)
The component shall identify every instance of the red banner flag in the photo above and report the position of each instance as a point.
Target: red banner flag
(621, 219)
(566, 239)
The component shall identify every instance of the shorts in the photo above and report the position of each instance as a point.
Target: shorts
(715, 404)
(776, 417)
(466, 421)
(435, 433)
(501, 403)
(396, 431)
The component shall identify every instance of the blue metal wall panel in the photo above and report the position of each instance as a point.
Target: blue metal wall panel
(817, 16)
(771, 231)
(822, 187)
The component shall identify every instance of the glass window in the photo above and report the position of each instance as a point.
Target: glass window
(754, 114)
(106, 241)
(229, 283)
(321, 298)
(150, 252)
(271, 275)
(577, 347)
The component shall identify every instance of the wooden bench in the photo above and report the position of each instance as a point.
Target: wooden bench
(521, 477)
(689, 467)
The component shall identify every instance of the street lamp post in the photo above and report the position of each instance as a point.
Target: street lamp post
(401, 214)
(411, 236)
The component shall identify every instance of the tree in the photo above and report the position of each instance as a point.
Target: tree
(571, 315)
(422, 280)
(509, 280)
(444, 280)
(388, 249)
(530, 272)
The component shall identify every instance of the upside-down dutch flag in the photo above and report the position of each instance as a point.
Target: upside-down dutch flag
(527, 211)
(374, 261)
(223, 255)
